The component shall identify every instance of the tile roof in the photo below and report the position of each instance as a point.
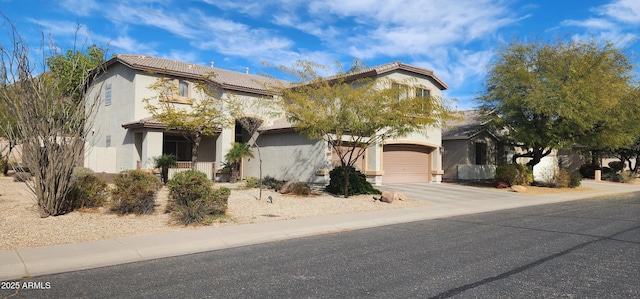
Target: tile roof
(467, 124)
(397, 65)
(148, 122)
(223, 78)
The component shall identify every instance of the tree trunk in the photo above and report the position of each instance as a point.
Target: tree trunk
(260, 164)
(197, 138)
(347, 172)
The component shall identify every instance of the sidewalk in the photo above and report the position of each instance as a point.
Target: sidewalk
(16, 264)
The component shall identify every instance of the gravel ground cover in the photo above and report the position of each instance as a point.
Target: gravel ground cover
(22, 227)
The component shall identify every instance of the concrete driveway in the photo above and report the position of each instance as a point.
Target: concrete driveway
(447, 192)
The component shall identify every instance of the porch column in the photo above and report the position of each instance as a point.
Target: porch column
(223, 145)
(151, 147)
(436, 161)
(374, 164)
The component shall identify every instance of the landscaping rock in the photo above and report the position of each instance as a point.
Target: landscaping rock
(399, 196)
(387, 196)
(502, 185)
(519, 189)
(288, 186)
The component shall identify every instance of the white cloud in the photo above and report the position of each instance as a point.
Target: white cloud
(62, 28)
(625, 11)
(126, 44)
(80, 7)
(591, 23)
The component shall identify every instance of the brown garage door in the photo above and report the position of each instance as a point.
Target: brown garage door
(406, 164)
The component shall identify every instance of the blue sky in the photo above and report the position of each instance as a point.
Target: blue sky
(457, 39)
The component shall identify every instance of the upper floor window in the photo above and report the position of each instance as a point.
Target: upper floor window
(422, 93)
(183, 88)
(402, 90)
(177, 91)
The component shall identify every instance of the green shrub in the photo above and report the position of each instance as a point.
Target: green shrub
(300, 188)
(135, 192)
(20, 176)
(193, 199)
(357, 183)
(616, 166)
(250, 182)
(561, 178)
(4, 166)
(626, 176)
(514, 174)
(272, 183)
(87, 190)
(576, 180)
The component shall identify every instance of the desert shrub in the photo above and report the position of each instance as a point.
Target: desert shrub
(87, 190)
(20, 176)
(514, 174)
(272, 183)
(135, 192)
(300, 188)
(626, 176)
(589, 170)
(561, 178)
(4, 166)
(250, 182)
(616, 166)
(576, 179)
(193, 199)
(358, 183)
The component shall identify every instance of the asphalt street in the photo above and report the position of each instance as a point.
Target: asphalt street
(577, 249)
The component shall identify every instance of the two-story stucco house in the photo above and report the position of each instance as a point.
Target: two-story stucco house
(125, 136)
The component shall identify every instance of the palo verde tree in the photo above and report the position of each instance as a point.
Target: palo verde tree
(546, 96)
(52, 117)
(351, 113)
(195, 117)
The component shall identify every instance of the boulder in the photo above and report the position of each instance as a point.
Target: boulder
(387, 196)
(288, 186)
(519, 189)
(399, 196)
(502, 185)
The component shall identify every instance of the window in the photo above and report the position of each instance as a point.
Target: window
(107, 95)
(177, 91)
(422, 93)
(178, 146)
(183, 88)
(403, 90)
(481, 153)
(108, 141)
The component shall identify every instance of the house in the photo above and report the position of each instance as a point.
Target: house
(471, 152)
(125, 136)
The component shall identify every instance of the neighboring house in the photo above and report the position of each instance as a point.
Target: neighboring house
(471, 152)
(126, 137)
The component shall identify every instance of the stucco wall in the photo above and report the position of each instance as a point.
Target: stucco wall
(455, 152)
(109, 120)
(289, 156)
